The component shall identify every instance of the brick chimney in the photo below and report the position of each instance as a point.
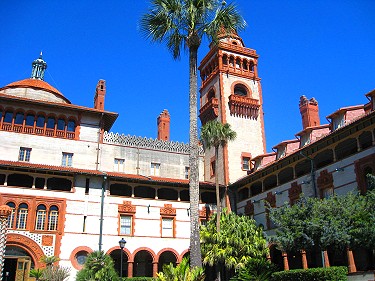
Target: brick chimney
(163, 121)
(309, 111)
(99, 95)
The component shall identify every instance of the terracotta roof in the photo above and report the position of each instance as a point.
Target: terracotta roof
(38, 84)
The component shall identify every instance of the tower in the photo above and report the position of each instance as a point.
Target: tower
(99, 95)
(39, 66)
(163, 122)
(231, 93)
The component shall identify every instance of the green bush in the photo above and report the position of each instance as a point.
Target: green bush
(138, 279)
(334, 273)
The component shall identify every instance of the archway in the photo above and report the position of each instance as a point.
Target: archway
(116, 256)
(143, 263)
(166, 257)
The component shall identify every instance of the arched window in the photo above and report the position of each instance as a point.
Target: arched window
(71, 126)
(251, 66)
(22, 216)
(8, 117)
(231, 61)
(30, 120)
(238, 63)
(40, 220)
(245, 64)
(61, 124)
(210, 95)
(225, 60)
(10, 222)
(51, 123)
(240, 90)
(53, 218)
(40, 121)
(19, 118)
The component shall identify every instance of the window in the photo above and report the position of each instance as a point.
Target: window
(61, 124)
(19, 118)
(10, 222)
(187, 172)
(81, 257)
(245, 163)
(155, 169)
(40, 121)
(338, 121)
(40, 219)
(51, 123)
(24, 154)
(212, 167)
(67, 159)
(30, 120)
(71, 126)
(126, 225)
(167, 227)
(53, 218)
(22, 216)
(8, 117)
(240, 90)
(119, 165)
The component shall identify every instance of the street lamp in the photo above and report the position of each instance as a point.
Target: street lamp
(122, 243)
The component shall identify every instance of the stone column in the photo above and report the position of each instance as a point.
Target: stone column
(130, 268)
(285, 259)
(326, 259)
(304, 259)
(5, 211)
(154, 269)
(351, 264)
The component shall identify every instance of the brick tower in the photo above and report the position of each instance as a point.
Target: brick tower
(309, 111)
(231, 93)
(163, 122)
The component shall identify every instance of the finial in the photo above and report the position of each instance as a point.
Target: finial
(39, 66)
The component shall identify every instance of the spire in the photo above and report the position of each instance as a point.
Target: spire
(39, 66)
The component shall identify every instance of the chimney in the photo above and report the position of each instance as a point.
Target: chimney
(309, 111)
(163, 121)
(99, 95)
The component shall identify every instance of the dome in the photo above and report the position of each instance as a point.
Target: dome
(34, 89)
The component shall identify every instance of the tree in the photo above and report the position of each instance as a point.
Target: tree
(49, 260)
(98, 267)
(183, 23)
(36, 273)
(239, 241)
(215, 134)
(181, 272)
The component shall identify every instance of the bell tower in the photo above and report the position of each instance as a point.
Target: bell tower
(231, 93)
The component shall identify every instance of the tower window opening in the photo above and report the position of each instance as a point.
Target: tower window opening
(244, 65)
(225, 60)
(240, 90)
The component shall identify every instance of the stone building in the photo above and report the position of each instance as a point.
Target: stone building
(75, 187)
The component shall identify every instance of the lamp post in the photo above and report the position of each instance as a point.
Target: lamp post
(122, 243)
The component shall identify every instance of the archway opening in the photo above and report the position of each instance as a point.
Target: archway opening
(143, 264)
(166, 257)
(116, 256)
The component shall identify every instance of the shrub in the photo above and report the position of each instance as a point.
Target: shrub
(334, 273)
(139, 279)
(256, 270)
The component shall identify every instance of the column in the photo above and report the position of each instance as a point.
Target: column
(351, 264)
(326, 259)
(154, 268)
(130, 268)
(285, 260)
(304, 259)
(5, 211)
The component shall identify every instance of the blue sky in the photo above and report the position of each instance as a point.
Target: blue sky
(319, 48)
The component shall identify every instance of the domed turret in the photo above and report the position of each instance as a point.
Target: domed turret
(39, 67)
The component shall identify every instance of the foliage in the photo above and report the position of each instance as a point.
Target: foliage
(139, 278)
(36, 273)
(55, 273)
(216, 134)
(238, 241)
(337, 222)
(181, 272)
(49, 260)
(370, 182)
(182, 24)
(98, 267)
(334, 273)
(255, 270)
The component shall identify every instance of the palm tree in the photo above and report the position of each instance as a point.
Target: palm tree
(216, 134)
(183, 23)
(49, 260)
(98, 267)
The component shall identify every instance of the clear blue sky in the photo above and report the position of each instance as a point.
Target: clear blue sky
(320, 48)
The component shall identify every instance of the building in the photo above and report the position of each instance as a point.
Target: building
(75, 187)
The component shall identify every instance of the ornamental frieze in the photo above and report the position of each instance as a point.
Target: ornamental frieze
(126, 207)
(168, 210)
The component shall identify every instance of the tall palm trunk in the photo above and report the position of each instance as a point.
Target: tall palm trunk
(218, 202)
(195, 249)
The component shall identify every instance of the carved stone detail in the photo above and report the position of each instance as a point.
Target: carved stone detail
(126, 207)
(325, 180)
(249, 208)
(47, 240)
(294, 192)
(209, 111)
(155, 144)
(168, 210)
